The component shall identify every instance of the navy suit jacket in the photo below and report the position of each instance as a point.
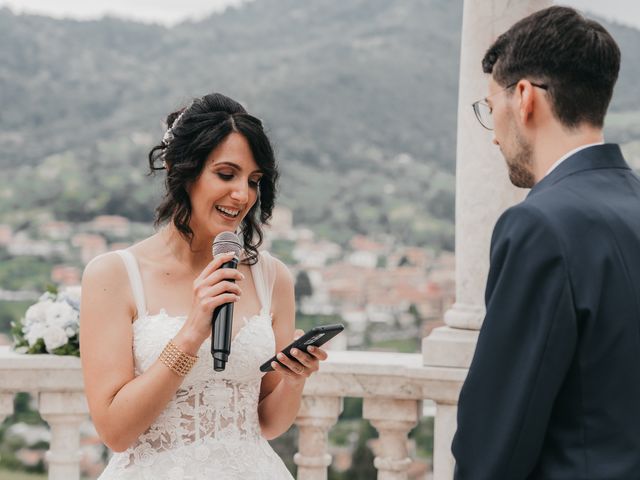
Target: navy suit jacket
(553, 391)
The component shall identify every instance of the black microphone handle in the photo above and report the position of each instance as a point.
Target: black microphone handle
(221, 328)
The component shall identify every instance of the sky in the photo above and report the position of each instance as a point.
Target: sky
(167, 12)
(170, 12)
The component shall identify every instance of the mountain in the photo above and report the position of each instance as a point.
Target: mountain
(359, 98)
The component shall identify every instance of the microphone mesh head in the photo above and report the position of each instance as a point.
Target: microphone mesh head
(226, 242)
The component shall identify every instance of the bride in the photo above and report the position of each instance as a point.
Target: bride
(146, 313)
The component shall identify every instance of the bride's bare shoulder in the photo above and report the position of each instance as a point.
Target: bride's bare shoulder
(108, 266)
(109, 269)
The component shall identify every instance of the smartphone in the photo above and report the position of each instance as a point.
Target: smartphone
(316, 336)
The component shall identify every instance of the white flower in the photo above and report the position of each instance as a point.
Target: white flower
(61, 314)
(54, 337)
(72, 293)
(54, 319)
(47, 296)
(34, 332)
(37, 313)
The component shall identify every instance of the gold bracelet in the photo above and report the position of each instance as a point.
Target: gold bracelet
(178, 361)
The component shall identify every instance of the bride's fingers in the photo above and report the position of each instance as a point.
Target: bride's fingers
(215, 302)
(219, 289)
(304, 358)
(292, 365)
(223, 274)
(318, 352)
(215, 264)
(283, 370)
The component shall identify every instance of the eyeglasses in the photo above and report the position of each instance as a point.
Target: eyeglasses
(483, 110)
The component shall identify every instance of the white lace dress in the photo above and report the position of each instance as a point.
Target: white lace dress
(210, 429)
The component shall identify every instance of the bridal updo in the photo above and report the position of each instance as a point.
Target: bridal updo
(193, 132)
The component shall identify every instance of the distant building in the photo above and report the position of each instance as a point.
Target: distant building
(119, 246)
(356, 319)
(113, 225)
(22, 245)
(312, 255)
(90, 245)
(411, 256)
(363, 258)
(319, 302)
(65, 275)
(281, 224)
(443, 274)
(346, 284)
(365, 244)
(56, 230)
(6, 234)
(393, 296)
(366, 252)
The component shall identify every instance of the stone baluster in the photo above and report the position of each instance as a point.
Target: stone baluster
(6, 405)
(443, 431)
(393, 419)
(64, 412)
(315, 417)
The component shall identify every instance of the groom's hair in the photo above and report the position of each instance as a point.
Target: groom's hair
(576, 58)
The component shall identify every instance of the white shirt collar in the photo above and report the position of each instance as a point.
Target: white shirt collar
(567, 155)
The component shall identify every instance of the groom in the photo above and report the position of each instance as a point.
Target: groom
(553, 391)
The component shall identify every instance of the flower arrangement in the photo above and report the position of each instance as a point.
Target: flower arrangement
(51, 325)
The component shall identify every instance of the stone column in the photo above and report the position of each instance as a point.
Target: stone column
(315, 417)
(64, 412)
(483, 190)
(6, 405)
(393, 419)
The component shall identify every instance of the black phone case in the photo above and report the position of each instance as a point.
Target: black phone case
(317, 336)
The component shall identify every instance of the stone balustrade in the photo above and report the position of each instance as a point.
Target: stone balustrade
(392, 386)
(56, 381)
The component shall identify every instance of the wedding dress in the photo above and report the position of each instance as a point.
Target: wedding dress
(210, 429)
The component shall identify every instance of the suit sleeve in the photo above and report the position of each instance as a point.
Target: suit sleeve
(524, 349)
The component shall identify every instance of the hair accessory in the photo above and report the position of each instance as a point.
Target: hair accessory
(168, 135)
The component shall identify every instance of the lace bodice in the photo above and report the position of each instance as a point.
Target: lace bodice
(222, 405)
(211, 411)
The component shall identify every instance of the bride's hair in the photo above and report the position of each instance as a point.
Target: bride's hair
(192, 133)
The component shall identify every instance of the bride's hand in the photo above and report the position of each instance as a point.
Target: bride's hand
(296, 372)
(212, 288)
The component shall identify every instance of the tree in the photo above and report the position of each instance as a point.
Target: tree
(303, 286)
(362, 461)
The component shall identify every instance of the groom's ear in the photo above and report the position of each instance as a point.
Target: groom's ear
(526, 96)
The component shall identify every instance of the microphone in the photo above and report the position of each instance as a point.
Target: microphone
(222, 318)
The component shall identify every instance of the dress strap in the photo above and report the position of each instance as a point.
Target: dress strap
(135, 279)
(264, 274)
